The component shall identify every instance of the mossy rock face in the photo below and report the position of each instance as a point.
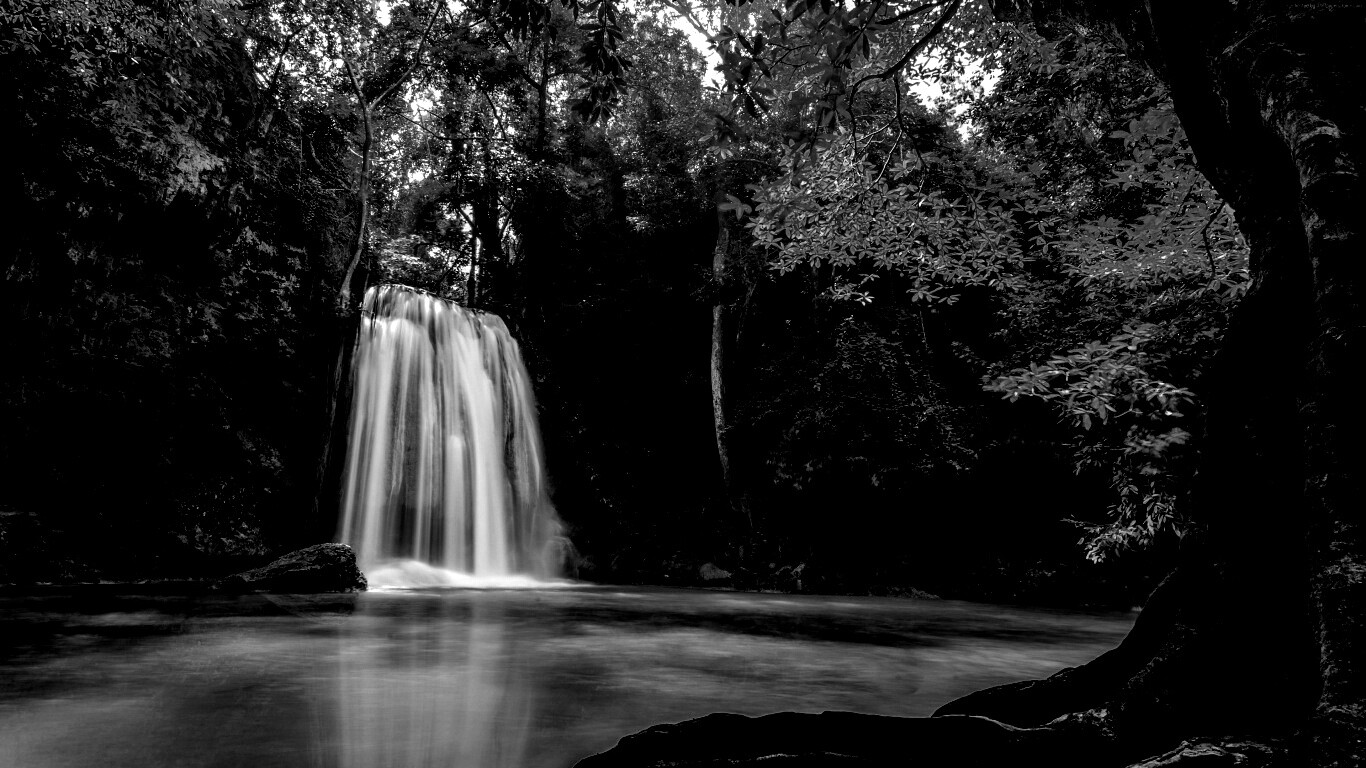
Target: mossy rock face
(319, 568)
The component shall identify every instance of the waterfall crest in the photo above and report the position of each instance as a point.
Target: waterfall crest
(444, 479)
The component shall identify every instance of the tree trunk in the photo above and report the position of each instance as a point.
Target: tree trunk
(724, 317)
(351, 291)
(336, 415)
(1262, 629)
(487, 227)
(542, 97)
(471, 282)
(346, 296)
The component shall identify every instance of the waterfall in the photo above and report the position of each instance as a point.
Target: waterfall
(444, 480)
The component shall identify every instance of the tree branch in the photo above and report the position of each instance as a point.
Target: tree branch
(900, 17)
(1204, 235)
(434, 134)
(685, 11)
(417, 55)
(355, 81)
(919, 46)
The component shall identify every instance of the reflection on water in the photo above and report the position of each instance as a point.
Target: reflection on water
(444, 691)
(478, 678)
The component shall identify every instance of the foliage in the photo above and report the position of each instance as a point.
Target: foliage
(1130, 422)
(162, 288)
(559, 163)
(1085, 211)
(1146, 256)
(828, 55)
(847, 214)
(861, 413)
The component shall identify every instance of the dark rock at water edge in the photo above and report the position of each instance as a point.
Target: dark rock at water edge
(847, 739)
(710, 573)
(319, 568)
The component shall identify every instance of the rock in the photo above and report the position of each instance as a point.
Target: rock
(789, 578)
(846, 739)
(1193, 754)
(319, 568)
(710, 572)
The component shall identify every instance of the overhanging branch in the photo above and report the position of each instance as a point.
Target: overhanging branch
(919, 46)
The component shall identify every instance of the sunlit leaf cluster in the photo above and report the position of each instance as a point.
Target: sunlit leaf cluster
(834, 52)
(845, 213)
(1131, 424)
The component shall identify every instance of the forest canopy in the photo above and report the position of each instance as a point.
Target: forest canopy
(833, 237)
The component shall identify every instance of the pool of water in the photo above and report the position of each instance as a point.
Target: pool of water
(479, 678)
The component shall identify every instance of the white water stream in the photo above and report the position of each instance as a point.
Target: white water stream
(444, 482)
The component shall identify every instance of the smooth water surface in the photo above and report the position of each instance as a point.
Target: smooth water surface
(479, 679)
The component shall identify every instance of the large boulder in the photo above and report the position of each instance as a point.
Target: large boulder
(319, 568)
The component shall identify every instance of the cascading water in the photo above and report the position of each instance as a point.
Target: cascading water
(444, 481)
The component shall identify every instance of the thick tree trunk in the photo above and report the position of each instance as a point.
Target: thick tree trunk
(1270, 94)
(1261, 631)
